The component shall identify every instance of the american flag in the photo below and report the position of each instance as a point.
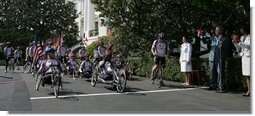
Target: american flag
(37, 52)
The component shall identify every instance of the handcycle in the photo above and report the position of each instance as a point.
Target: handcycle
(53, 79)
(115, 78)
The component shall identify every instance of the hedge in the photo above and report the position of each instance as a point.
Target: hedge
(142, 67)
(234, 79)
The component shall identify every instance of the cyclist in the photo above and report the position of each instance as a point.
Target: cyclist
(18, 55)
(8, 52)
(159, 51)
(71, 64)
(61, 51)
(101, 51)
(82, 53)
(45, 66)
(86, 66)
(119, 62)
(106, 57)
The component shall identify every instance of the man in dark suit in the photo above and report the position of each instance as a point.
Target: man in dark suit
(219, 51)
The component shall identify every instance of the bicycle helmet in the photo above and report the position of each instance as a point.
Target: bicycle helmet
(49, 50)
(161, 35)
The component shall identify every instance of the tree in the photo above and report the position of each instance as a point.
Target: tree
(136, 23)
(22, 19)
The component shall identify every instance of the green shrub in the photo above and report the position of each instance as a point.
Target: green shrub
(234, 79)
(92, 46)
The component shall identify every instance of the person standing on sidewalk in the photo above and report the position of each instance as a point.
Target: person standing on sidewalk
(246, 55)
(8, 53)
(185, 60)
(220, 47)
(18, 56)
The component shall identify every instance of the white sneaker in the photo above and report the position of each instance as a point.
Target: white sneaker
(5, 71)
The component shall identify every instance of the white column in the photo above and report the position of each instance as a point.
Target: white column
(90, 16)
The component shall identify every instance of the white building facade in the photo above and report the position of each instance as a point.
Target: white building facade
(88, 21)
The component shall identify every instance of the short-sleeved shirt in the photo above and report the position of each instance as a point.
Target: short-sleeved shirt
(18, 53)
(62, 49)
(86, 65)
(160, 48)
(8, 51)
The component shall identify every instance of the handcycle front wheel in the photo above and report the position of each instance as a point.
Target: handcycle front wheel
(121, 81)
(56, 86)
(94, 77)
(38, 82)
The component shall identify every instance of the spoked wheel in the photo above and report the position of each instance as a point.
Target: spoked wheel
(94, 77)
(56, 86)
(37, 76)
(156, 78)
(73, 72)
(38, 82)
(25, 67)
(121, 82)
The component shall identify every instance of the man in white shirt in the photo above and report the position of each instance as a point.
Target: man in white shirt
(159, 51)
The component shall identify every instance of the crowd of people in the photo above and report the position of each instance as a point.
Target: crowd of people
(64, 59)
(40, 57)
(220, 49)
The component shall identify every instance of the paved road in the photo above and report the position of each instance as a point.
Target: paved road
(141, 96)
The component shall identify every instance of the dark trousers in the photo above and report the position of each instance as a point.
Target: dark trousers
(217, 72)
(7, 62)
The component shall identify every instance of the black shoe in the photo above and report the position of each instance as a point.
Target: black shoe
(246, 95)
(221, 91)
(152, 77)
(211, 88)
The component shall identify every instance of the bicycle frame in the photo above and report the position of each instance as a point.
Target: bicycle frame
(159, 74)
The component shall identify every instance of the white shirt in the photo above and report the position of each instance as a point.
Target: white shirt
(160, 48)
(8, 51)
(96, 53)
(17, 53)
(186, 51)
(86, 65)
(62, 49)
(245, 45)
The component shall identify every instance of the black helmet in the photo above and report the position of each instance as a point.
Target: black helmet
(161, 35)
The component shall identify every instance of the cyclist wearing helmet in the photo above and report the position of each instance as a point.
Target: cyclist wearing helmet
(159, 51)
(50, 61)
(8, 52)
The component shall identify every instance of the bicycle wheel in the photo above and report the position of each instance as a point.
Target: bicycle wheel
(156, 76)
(38, 82)
(73, 72)
(94, 77)
(56, 86)
(160, 77)
(121, 82)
